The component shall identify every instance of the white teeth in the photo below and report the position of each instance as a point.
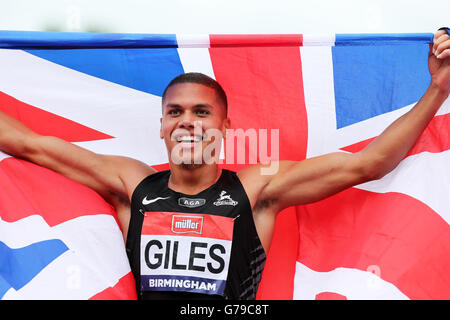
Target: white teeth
(189, 139)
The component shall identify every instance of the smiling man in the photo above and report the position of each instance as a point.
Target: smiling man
(201, 232)
(194, 117)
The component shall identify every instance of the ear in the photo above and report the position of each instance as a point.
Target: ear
(161, 135)
(227, 123)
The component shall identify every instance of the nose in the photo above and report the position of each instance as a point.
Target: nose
(186, 120)
(186, 123)
(189, 121)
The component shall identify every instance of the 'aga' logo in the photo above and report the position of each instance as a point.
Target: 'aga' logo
(191, 203)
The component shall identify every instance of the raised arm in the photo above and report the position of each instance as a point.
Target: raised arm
(317, 178)
(113, 177)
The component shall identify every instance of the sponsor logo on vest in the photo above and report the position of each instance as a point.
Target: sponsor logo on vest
(191, 203)
(146, 201)
(225, 200)
(185, 224)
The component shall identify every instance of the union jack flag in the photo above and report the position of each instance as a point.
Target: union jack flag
(386, 239)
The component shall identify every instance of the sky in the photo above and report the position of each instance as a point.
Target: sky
(226, 16)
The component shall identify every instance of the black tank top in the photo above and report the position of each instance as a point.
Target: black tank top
(202, 246)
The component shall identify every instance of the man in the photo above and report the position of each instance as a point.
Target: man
(198, 231)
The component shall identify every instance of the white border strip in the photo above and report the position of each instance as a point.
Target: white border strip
(319, 40)
(193, 41)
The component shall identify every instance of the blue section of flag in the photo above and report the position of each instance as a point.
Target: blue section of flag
(4, 286)
(144, 69)
(20, 266)
(372, 80)
(377, 39)
(54, 40)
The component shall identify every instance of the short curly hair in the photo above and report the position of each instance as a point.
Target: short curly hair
(200, 78)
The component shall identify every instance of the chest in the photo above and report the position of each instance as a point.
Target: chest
(186, 242)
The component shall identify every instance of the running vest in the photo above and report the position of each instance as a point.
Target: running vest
(202, 246)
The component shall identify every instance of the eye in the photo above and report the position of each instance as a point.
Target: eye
(174, 112)
(202, 112)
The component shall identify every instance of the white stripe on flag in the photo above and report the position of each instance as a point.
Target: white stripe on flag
(354, 284)
(24, 232)
(424, 176)
(317, 72)
(4, 156)
(318, 40)
(196, 60)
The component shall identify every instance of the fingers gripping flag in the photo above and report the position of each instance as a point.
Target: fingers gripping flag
(386, 239)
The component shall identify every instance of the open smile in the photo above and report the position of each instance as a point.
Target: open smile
(188, 139)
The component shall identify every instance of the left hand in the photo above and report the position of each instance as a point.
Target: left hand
(439, 61)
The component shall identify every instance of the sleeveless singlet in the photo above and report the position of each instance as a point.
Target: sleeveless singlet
(202, 246)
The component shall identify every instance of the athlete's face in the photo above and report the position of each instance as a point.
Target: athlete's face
(192, 119)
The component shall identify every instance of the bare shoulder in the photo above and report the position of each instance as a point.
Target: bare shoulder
(130, 171)
(256, 177)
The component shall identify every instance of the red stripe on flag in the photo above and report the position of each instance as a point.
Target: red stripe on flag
(435, 138)
(406, 239)
(278, 277)
(330, 296)
(161, 167)
(28, 189)
(265, 91)
(47, 123)
(255, 40)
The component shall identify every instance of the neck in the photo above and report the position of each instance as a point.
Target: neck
(192, 179)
